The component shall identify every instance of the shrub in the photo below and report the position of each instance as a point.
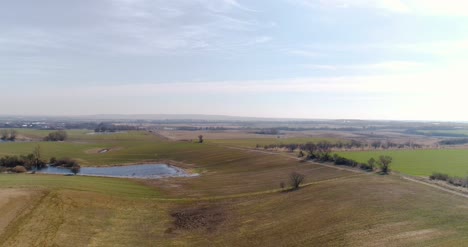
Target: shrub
(19, 169)
(75, 169)
(65, 162)
(56, 136)
(282, 185)
(439, 176)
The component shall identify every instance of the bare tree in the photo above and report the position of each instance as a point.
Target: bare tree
(12, 136)
(4, 134)
(384, 163)
(282, 185)
(37, 156)
(295, 180)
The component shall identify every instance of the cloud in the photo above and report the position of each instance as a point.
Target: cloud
(387, 66)
(428, 82)
(389, 5)
(154, 27)
(415, 7)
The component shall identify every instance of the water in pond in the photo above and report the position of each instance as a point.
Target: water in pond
(133, 171)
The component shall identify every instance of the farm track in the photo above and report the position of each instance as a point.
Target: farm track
(435, 186)
(408, 178)
(257, 193)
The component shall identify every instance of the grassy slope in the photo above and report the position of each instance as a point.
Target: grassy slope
(420, 162)
(339, 208)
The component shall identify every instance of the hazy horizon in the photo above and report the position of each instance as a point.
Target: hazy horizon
(303, 59)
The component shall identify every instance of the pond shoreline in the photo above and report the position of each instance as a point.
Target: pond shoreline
(145, 170)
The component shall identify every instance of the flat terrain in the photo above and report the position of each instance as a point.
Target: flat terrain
(420, 162)
(236, 200)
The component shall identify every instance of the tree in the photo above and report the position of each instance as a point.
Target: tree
(200, 139)
(75, 169)
(37, 158)
(4, 134)
(371, 163)
(384, 163)
(301, 154)
(56, 136)
(295, 180)
(376, 144)
(53, 160)
(12, 136)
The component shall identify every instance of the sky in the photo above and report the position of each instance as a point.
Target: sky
(336, 59)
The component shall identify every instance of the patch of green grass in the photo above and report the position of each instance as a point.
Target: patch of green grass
(108, 186)
(420, 162)
(459, 133)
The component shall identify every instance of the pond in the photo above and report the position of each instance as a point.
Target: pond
(146, 171)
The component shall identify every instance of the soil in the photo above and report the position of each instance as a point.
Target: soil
(200, 217)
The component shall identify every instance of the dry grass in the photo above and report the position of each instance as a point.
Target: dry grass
(235, 202)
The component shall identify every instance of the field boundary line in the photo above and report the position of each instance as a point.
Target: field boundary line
(435, 186)
(264, 192)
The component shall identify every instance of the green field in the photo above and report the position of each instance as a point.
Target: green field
(236, 200)
(420, 162)
(454, 133)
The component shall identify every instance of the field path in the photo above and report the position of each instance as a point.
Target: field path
(356, 170)
(435, 186)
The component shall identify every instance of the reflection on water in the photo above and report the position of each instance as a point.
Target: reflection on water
(133, 171)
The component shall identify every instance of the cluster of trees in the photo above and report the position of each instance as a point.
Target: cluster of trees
(322, 152)
(195, 128)
(352, 144)
(456, 181)
(28, 162)
(268, 132)
(8, 135)
(34, 161)
(110, 127)
(383, 162)
(66, 163)
(442, 132)
(55, 136)
(456, 141)
(296, 179)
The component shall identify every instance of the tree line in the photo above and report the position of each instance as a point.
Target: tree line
(34, 161)
(456, 181)
(110, 127)
(350, 145)
(55, 136)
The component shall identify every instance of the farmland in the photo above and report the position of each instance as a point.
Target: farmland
(421, 162)
(236, 200)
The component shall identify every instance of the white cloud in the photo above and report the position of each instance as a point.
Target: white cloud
(388, 66)
(445, 82)
(419, 7)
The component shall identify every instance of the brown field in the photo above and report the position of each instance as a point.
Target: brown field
(236, 201)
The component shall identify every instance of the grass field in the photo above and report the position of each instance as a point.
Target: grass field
(459, 133)
(235, 201)
(420, 162)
